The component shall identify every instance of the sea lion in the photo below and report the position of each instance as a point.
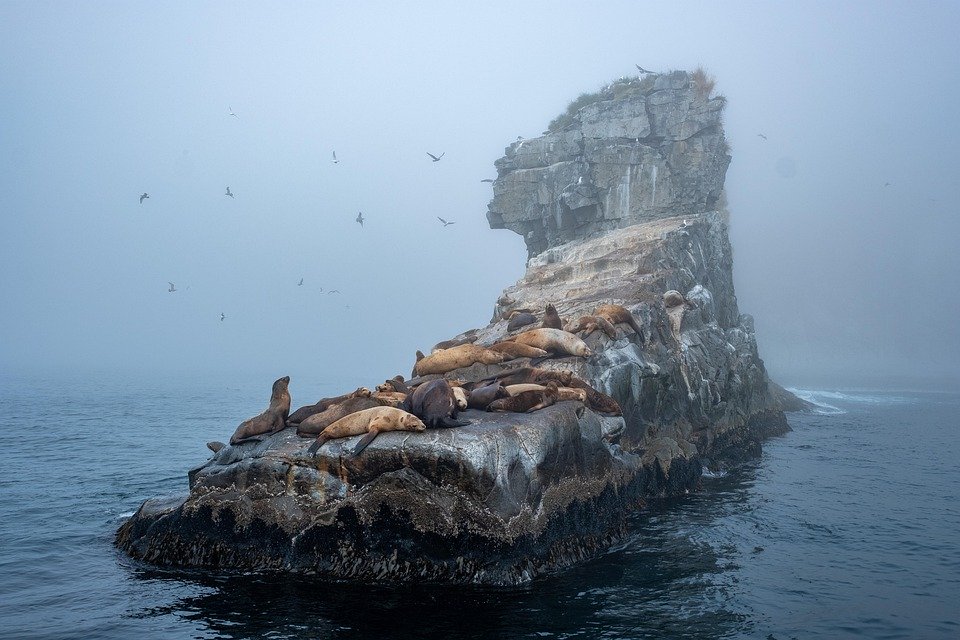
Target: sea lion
(372, 422)
(617, 314)
(673, 298)
(520, 319)
(556, 341)
(396, 383)
(303, 413)
(597, 400)
(390, 398)
(272, 420)
(215, 446)
(447, 344)
(517, 350)
(527, 401)
(435, 403)
(551, 319)
(589, 324)
(455, 358)
(482, 396)
(533, 375)
(563, 393)
(461, 396)
(320, 421)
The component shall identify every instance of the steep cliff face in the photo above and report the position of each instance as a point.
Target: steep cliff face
(639, 150)
(514, 495)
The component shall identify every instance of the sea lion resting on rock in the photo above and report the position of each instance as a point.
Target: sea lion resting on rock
(481, 397)
(563, 393)
(517, 350)
(303, 413)
(461, 396)
(449, 344)
(556, 341)
(673, 298)
(435, 403)
(369, 421)
(589, 324)
(455, 358)
(389, 398)
(519, 319)
(551, 319)
(527, 401)
(320, 421)
(396, 383)
(617, 314)
(272, 420)
(596, 400)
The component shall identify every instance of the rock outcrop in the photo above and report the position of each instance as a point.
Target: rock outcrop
(512, 496)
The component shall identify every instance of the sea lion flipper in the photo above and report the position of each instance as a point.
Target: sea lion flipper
(319, 442)
(450, 422)
(364, 441)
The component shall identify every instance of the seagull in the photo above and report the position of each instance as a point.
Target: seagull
(333, 291)
(228, 192)
(487, 180)
(335, 161)
(172, 288)
(445, 223)
(222, 317)
(435, 158)
(232, 113)
(300, 284)
(144, 196)
(886, 184)
(360, 217)
(762, 136)
(641, 69)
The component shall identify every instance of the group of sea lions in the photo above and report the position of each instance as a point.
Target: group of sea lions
(416, 405)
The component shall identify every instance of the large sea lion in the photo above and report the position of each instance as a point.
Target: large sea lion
(589, 324)
(369, 421)
(455, 358)
(303, 413)
(520, 319)
(396, 383)
(517, 350)
(447, 344)
(551, 319)
(527, 401)
(435, 403)
(617, 314)
(563, 393)
(482, 396)
(320, 421)
(556, 341)
(597, 400)
(272, 420)
(533, 375)
(389, 398)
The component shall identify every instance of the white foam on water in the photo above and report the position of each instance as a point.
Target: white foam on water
(822, 399)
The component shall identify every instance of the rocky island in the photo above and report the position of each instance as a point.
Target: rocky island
(620, 201)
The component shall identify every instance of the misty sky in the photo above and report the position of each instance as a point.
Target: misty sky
(849, 280)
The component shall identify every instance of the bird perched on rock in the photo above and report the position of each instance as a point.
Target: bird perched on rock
(445, 223)
(228, 192)
(435, 158)
(360, 217)
(144, 196)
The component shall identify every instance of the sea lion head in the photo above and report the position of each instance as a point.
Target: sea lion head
(362, 392)
(411, 422)
(280, 386)
(460, 394)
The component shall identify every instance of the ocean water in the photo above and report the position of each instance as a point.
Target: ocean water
(847, 527)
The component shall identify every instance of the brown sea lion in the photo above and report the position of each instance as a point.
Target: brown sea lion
(597, 400)
(520, 319)
(518, 350)
(617, 314)
(272, 420)
(369, 421)
(390, 398)
(215, 446)
(303, 413)
(435, 403)
(482, 396)
(447, 344)
(320, 421)
(673, 298)
(462, 397)
(455, 358)
(533, 375)
(527, 401)
(396, 383)
(563, 393)
(556, 341)
(551, 319)
(589, 324)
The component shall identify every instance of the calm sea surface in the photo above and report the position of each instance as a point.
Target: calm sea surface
(847, 527)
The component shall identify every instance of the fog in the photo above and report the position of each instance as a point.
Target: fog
(852, 281)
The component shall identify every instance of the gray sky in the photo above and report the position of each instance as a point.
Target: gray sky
(848, 280)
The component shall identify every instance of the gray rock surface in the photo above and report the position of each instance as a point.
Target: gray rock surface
(512, 496)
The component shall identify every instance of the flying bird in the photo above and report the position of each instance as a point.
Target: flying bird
(172, 288)
(445, 223)
(335, 161)
(487, 180)
(641, 69)
(230, 109)
(300, 284)
(762, 136)
(333, 291)
(360, 217)
(228, 192)
(435, 158)
(886, 184)
(144, 196)
(222, 317)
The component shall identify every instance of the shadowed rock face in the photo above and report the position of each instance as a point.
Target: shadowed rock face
(512, 496)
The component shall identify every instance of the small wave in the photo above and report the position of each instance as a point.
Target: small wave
(125, 514)
(709, 473)
(814, 398)
(817, 396)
